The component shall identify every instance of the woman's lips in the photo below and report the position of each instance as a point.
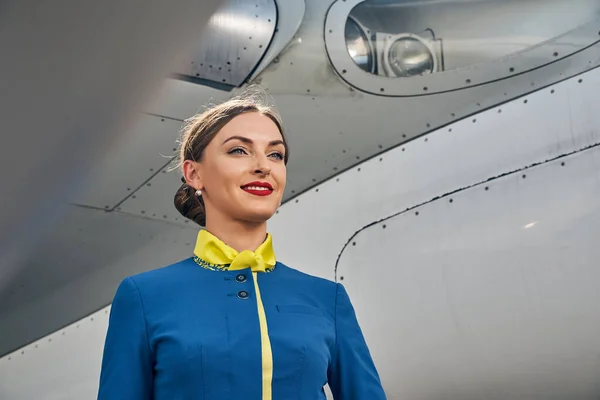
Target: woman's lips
(258, 189)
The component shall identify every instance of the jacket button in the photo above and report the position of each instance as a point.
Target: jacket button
(241, 278)
(242, 294)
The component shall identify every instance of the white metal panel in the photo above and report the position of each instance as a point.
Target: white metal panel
(136, 157)
(155, 199)
(487, 293)
(64, 365)
(290, 14)
(180, 100)
(499, 140)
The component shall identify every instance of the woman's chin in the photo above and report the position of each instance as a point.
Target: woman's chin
(259, 215)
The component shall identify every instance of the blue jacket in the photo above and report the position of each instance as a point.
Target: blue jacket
(185, 332)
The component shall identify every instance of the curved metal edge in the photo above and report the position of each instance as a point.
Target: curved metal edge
(289, 19)
(486, 182)
(452, 80)
(233, 43)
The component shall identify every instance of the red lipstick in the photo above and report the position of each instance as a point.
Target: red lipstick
(258, 188)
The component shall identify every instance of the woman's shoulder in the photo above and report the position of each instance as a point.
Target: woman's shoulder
(304, 279)
(157, 279)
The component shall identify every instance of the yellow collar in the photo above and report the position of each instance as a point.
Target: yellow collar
(212, 253)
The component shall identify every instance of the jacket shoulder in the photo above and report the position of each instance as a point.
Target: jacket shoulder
(300, 277)
(171, 274)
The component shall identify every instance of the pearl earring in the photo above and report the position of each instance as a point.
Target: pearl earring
(198, 192)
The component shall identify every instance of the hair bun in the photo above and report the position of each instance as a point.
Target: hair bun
(189, 205)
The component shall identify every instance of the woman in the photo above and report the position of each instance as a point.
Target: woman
(231, 322)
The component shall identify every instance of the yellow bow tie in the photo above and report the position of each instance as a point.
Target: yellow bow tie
(212, 250)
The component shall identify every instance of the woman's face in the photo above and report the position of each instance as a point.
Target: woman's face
(242, 173)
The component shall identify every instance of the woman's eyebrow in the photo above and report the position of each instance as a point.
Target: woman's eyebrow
(249, 141)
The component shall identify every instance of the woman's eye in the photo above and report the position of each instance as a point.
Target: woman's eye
(237, 151)
(278, 155)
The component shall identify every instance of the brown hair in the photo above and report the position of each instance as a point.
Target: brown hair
(199, 130)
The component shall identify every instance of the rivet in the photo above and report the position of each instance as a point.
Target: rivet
(451, 200)
(562, 163)
(468, 81)
(297, 200)
(552, 91)
(500, 111)
(525, 101)
(524, 176)
(403, 149)
(337, 179)
(555, 54)
(417, 213)
(380, 159)
(474, 120)
(353, 243)
(341, 278)
(359, 170)
(581, 80)
(317, 189)
(512, 69)
(343, 71)
(384, 226)
(425, 88)
(381, 89)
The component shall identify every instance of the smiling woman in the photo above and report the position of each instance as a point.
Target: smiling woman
(232, 322)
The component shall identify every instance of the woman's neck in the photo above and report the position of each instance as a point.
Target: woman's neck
(239, 235)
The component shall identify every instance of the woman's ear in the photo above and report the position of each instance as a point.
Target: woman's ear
(191, 173)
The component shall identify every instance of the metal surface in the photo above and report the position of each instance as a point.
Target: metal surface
(290, 14)
(487, 294)
(234, 41)
(73, 73)
(560, 201)
(141, 154)
(476, 42)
